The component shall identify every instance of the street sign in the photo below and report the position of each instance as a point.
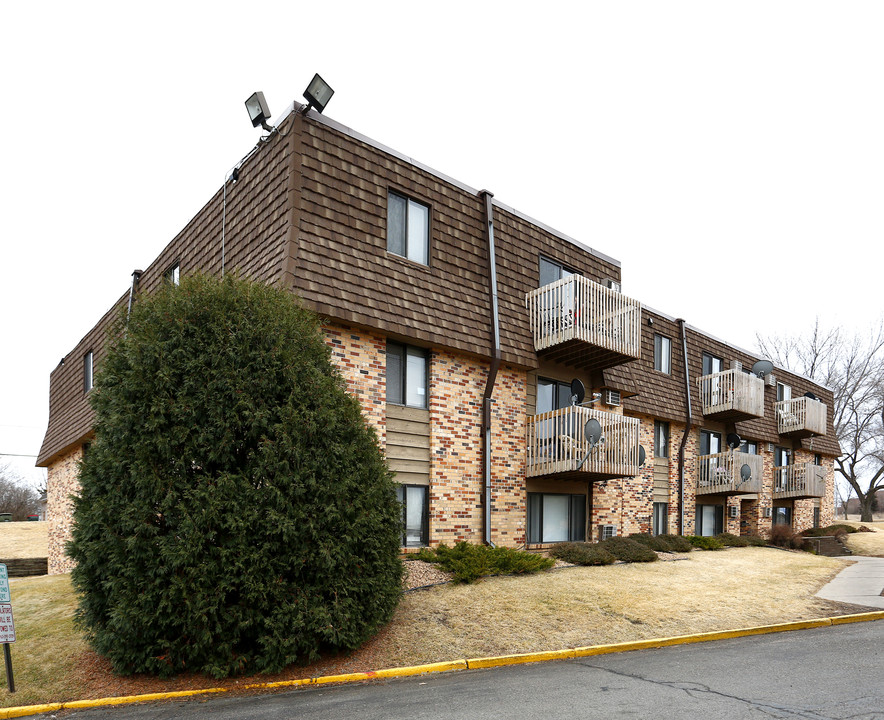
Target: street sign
(7, 628)
(4, 585)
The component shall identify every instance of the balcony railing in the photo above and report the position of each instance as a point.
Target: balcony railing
(585, 323)
(802, 480)
(732, 395)
(721, 473)
(801, 417)
(556, 445)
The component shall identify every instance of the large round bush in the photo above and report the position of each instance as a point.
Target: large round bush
(236, 512)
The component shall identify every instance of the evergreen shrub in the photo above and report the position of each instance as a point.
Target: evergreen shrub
(582, 553)
(468, 562)
(663, 543)
(236, 512)
(730, 540)
(705, 543)
(628, 550)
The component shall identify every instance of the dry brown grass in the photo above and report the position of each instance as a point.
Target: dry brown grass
(589, 606)
(24, 540)
(867, 543)
(561, 608)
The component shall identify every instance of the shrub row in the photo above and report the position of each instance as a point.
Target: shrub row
(838, 530)
(663, 543)
(604, 553)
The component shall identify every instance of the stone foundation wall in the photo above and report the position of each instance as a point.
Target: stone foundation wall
(62, 483)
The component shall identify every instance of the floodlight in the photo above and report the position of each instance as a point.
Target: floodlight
(259, 113)
(318, 93)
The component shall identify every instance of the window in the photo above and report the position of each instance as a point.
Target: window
(87, 372)
(662, 354)
(552, 395)
(550, 271)
(415, 501)
(660, 525)
(784, 392)
(709, 520)
(749, 446)
(782, 516)
(711, 364)
(781, 470)
(556, 518)
(661, 439)
(406, 375)
(817, 459)
(710, 442)
(173, 274)
(816, 517)
(408, 228)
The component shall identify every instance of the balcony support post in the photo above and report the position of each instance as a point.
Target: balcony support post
(688, 422)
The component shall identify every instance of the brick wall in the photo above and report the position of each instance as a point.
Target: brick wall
(62, 482)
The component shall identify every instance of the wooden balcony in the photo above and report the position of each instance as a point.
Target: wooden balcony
(801, 417)
(731, 395)
(556, 445)
(802, 480)
(583, 324)
(719, 474)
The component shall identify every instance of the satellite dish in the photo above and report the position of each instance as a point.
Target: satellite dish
(578, 392)
(641, 455)
(762, 368)
(810, 395)
(734, 440)
(745, 472)
(592, 431)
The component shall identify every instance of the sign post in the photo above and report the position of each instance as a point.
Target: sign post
(7, 627)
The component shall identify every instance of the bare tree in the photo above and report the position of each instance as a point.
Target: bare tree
(16, 496)
(852, 365)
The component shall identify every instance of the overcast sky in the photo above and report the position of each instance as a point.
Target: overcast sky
(730, 155)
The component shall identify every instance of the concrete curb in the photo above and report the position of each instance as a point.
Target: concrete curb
(469, 664)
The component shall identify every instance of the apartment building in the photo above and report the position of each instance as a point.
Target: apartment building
(461, 325)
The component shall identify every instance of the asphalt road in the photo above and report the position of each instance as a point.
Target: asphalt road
(834, 672)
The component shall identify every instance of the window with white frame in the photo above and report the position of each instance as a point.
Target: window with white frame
(661, 439)
(784, 392)
(87, 372)
(550, 271)
(173, 274)
(408, 228)
(406, 375)
(415, 501)
(662, 354)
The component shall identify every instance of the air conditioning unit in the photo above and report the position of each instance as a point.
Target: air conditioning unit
(768, 512)
(612, 397)
(736, 365)
(606, 532)
(733, 511)
(770, 447)
(612, 285)
(770, 380)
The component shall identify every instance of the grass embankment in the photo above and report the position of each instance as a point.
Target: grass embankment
(24, 540)
(552, 610)
(867, 543)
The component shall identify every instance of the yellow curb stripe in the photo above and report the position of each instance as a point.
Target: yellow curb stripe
(520, 659)
(487, 662)
(859, 617)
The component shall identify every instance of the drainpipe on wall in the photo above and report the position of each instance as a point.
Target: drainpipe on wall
(687, 428)
(492, 371)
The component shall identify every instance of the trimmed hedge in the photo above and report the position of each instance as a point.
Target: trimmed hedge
(628, 550)
(836, 530)
(730, 540)
(236, 512)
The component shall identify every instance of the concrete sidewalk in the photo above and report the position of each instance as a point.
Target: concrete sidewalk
(860, 584)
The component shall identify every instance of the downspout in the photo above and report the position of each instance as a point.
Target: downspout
(136, 275)
(687, 428)
(492, 371)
